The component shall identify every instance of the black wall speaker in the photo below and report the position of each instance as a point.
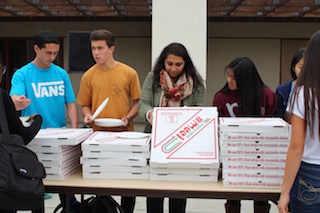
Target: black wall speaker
(79, 51)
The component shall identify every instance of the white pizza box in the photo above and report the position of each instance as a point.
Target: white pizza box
(253, 124)
(70, 153)
(185, 165)
(60, 169)
(112, 154)
(254, 159)
(252, 184)
(110, 141)
(249, 145)
(61, 176)
(59, 162)
(254, 167)
(182, 171)
(115, 175)
(107, 168)
(115, 161)
(185, 137)
(189, 178)
(253, 152)
(252, 175)
(61, 136)
(53, 148)
(255, 136)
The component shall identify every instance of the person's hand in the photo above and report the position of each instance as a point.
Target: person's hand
(88, 120)
(283, 203)
(30, 119)
(21, 102)
(150, 117)
(125, 121)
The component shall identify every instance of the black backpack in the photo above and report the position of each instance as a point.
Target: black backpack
(101, 204)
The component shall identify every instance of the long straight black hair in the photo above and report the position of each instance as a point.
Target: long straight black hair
(249, 84)
(309, 79)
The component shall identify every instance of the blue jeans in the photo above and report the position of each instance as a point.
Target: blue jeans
(305, 192)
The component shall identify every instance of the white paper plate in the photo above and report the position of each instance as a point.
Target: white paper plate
(108, 122)
(131, 135)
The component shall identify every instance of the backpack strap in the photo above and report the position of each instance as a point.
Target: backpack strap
(115, 204)
(109, 205)
(3, 120)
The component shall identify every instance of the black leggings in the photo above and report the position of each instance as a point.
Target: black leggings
(176, 205)
(127, 203)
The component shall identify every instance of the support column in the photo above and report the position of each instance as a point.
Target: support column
(183, 21)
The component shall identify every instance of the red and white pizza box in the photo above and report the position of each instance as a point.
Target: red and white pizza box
(52, 148)
(114, 141)
(253, 152)
(115, 154)
(60, 162)
(182, 171)
(189, 178)
(253, 145)
(273, 168)
(252, 184)
(185, 137)
(255, 136)
(61, 136)
(70, 153)
(253, 124)
(55, 169)
(64, 174)
(116, 175)
(115, 161)
(254, 159)
(118, 169)
(252, 175)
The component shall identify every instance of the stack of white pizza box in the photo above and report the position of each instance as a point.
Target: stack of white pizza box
(116, 155)
(253, 151)
(59, 150)
(184, 144)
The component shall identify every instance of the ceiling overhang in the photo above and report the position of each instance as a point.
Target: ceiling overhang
(141, 10)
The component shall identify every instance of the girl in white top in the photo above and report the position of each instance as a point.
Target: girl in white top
(301, 183)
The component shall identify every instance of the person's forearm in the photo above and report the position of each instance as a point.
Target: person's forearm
(293, 162)
(133, 111)
(73, 115)
(86, 110)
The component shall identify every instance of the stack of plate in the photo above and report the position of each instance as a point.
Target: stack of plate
(253, 151)
(116, 155)
(59, 150)
(184, 144)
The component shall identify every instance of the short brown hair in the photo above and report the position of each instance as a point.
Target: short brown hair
(103, 34)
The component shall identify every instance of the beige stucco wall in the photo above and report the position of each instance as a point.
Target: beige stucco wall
(260, 41)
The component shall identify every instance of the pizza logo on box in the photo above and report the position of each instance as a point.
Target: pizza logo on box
(185, 133)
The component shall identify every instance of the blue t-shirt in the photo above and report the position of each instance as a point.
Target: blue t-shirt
(49, 91)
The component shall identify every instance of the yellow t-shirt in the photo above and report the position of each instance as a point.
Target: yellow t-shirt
(120, 84)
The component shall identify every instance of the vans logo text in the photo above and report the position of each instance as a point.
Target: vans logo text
(48, 89)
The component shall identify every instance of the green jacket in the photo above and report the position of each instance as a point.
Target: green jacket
(150, 99)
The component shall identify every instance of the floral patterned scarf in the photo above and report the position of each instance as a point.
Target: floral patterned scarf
(173, 93)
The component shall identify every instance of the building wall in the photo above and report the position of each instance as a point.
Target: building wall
(263, 42)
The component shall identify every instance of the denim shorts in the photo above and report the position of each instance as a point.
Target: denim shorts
(305, 192)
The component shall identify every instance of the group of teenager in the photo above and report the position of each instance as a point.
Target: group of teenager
(43, 90)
